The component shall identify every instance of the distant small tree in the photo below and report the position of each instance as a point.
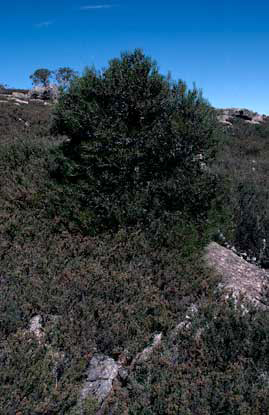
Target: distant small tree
(64, 76)
(3, 87)
(41, 77)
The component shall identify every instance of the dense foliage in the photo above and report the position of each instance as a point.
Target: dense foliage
(136, 144)
(242, 164)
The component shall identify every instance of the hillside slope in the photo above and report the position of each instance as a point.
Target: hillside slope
(67, 297)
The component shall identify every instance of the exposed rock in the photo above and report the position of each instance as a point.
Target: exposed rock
(37, 100)
(20, 95)
(123, 373)
(147, 352)
(225, 119)
(36, 327)
(191, 312)
(50, 92)
(255, 120)
(243, 114)
(228, 115)
(259, 118)
(20, 101)
(100, 375)
(239, 277)
(57, 358)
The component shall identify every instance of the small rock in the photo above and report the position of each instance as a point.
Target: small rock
(147, 352)
(100, 375)
(20, 101)
(36, 327)
(20, 95)
(35, 100)
(123, 373)
(186, 323)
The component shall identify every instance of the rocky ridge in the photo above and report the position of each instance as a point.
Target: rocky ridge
(228, 115)
(42, 95)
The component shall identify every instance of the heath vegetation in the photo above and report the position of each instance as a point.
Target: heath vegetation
(107, 201)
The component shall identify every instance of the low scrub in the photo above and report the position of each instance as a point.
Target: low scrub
(219, 365)
(242, 163)
(102, 237)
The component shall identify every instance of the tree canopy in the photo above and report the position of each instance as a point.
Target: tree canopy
(64, 76)
(135, 137)
(41, 77)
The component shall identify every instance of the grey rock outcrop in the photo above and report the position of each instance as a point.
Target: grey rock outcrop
(239, 278)
(41, 95)
(20, 101)
(50, 92)
(101, 372)
(20, 95)
(228, 115)
(147, 352)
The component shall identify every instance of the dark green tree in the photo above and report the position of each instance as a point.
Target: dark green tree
(41, 77)
(136, 142)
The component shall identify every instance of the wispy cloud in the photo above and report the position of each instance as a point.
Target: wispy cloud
(95, 7)
(44, 24)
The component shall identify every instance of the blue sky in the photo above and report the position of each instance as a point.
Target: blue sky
(221, 46)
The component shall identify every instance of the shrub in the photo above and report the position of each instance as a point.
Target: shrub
(242, 163)
(136, 143)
